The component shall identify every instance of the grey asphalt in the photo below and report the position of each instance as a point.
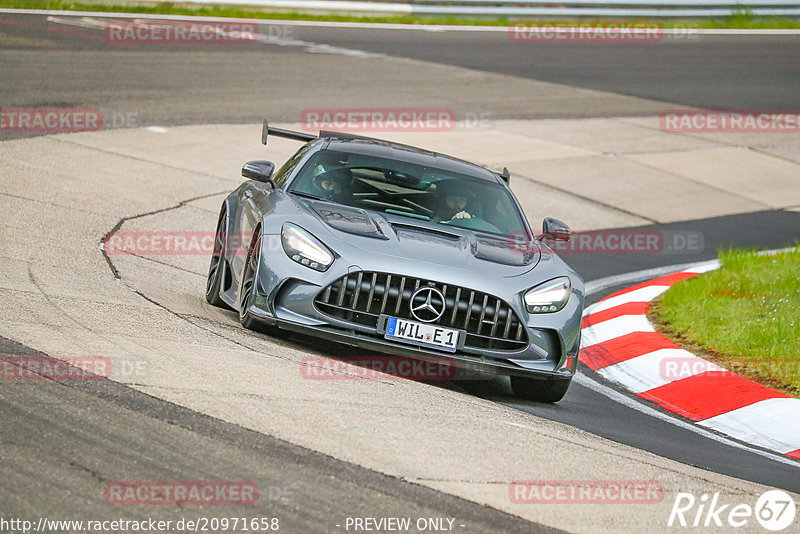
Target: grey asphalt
(47, 64)
(771, 229)
(61, 62)
(708, 71)
(63, 441)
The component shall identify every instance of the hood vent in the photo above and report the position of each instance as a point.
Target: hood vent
(425, 230)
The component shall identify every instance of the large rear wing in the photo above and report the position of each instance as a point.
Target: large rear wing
(267, 130)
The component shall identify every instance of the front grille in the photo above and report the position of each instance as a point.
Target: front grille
(362, 297)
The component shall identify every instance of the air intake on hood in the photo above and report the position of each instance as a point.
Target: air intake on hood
(426, 230)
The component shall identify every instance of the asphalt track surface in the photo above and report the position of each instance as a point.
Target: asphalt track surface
(753, 73)
(706, 71)
(189, 84)
(88, 421)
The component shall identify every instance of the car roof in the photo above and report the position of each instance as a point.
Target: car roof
(397, 151)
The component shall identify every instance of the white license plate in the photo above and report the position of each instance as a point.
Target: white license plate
(421, 334)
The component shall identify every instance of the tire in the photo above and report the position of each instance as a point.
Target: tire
(215, 270)
(540, 390)
(248, 287)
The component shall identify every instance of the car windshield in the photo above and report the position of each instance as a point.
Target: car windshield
(411, 190)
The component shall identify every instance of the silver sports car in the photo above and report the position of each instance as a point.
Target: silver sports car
(403, 251)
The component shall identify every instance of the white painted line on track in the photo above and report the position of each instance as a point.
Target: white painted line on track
(647, 371)
(601, 284)
(643, 294)
(632, 403)
(614, 328)
(374, 26)
(770, 423)
(310, 47)
(699, 269)
(726, 423)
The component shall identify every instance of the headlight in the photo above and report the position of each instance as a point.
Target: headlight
(304, 248)
(548, 297)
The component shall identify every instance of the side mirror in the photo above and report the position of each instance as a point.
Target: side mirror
(260, 171)
(555, 230)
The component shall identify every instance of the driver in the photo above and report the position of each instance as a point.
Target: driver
(456, 200)
(329, 184)
(332, 185)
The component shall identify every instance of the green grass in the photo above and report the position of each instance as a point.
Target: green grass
(744, 316)
(740, 19)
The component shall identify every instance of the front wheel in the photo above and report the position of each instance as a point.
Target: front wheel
(541, 390)
(216, 269)
(248, 288)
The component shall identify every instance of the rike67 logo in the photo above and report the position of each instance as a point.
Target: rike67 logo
(774, 510)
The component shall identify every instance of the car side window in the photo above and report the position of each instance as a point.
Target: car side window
(287, 168)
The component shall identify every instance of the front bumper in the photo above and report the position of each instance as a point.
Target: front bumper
(288, 302)
(469, 366)
(290, 306)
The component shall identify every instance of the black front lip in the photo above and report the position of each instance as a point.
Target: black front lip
(475, 364)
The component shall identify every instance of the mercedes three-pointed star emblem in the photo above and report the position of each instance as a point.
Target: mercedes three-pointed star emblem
(427, 304)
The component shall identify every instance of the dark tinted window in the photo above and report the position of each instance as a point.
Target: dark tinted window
(287, 168)
(411, 190)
